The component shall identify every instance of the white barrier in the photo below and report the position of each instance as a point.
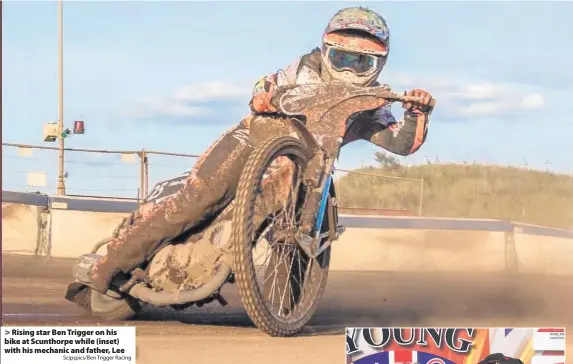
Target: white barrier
(419, 250)
(19, 228)
(75, 232)
(544, 255)
(369, 243)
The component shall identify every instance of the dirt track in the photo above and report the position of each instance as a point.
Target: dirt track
(33, 289)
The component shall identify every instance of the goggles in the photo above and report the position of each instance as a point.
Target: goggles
(358, 63)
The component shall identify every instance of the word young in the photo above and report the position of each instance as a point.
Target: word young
(406, 337)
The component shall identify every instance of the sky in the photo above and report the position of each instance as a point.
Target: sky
(173, 76)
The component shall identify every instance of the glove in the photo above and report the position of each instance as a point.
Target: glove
(261, 103)
(425, 107)
(499, 358)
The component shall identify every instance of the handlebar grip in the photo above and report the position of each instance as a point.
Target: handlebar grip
(414, 99)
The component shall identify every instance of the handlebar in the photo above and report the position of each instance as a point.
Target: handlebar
(378, 92)
(327, 106)
(392, 96)
(298, 99)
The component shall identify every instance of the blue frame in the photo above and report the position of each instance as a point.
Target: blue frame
(322, 208)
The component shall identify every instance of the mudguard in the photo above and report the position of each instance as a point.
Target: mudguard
(308, 139)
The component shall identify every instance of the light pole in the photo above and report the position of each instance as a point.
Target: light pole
(61, 190)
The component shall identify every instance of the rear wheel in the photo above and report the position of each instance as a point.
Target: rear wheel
(113, 308)
(281, 293)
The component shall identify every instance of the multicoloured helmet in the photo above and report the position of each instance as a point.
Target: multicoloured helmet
(355, 46)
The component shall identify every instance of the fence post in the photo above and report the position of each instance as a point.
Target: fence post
(421, 196)
(511, 262)
(61, 187)
(141, 173)
(145, 174)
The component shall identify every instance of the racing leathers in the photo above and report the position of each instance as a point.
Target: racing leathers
(210, 186)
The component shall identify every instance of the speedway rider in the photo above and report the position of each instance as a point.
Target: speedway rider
(354, 49)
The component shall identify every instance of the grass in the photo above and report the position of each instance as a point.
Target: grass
(465, 191)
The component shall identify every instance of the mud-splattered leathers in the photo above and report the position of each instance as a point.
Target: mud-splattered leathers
(212, 183)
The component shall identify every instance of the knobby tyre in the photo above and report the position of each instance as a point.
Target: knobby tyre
(244, 240)
(117, 308)
(113, 309)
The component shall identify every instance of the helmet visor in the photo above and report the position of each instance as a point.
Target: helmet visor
(359, 63)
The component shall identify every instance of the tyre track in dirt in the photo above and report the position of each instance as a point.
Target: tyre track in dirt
(33, 289)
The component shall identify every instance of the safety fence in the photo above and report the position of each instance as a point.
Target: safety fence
(66, 227)
(130, 174)
(90, 172)
(380, 222)
(384, 222)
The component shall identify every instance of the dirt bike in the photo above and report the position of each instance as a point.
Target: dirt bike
(294, 225)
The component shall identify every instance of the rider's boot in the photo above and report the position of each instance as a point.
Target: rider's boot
(101, 276)
(78, 291)
(94, 271)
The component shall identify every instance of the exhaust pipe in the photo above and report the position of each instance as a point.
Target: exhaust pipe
(140, 291)
(145, 294)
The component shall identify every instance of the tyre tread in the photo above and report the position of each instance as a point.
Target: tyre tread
(242, 225)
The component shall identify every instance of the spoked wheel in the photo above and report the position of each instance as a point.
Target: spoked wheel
(280, 286)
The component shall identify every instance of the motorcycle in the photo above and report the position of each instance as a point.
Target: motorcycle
(293, 225)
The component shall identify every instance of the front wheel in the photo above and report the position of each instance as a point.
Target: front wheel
(282, 293)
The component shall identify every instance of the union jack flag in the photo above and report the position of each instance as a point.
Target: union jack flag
(511, 342)
(403, 357)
